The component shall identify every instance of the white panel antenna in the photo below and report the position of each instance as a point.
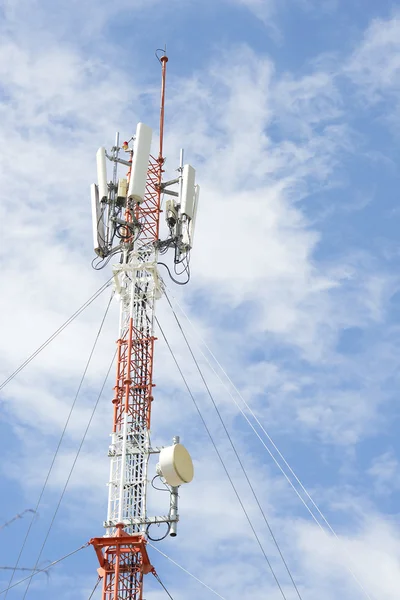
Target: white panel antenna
(102, 174)
(193, 220)
(140, 162)
(187, 194)
(97, 221)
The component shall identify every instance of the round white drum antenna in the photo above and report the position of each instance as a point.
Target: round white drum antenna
(176, 465)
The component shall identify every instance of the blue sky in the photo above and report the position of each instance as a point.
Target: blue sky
(290, 112)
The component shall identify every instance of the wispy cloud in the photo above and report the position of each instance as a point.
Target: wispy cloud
(375, 64)
(270, 298)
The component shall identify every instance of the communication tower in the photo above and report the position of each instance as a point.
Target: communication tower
(126, 225)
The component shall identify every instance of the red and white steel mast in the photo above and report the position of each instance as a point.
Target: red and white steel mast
(126, 223)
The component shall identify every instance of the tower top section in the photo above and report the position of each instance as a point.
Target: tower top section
(116, 198)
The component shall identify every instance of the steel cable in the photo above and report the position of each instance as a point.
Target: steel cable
(77, 454)
(52, 564)
(222, 462)
(349, 570)
(59, 443)
(16, 517)
(236, 453)
(56, 333)
(95, 588)
(186, 571)
(162, 585)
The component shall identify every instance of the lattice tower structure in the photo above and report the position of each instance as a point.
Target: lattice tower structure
(122, 552)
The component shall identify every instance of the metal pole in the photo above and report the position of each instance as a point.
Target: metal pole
(164, 60)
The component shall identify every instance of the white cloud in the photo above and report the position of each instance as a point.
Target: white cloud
(384, 472)
(262, 142)
(374, 71)
(250, 222)
(263, 10)
(374, 552)
(375, 64)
